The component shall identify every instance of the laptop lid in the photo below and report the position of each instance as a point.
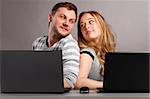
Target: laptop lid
(126, 72)
(32, 71)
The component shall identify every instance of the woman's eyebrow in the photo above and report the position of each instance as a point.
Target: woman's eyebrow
(88, 19)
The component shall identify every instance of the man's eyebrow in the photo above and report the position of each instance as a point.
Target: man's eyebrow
(68, 17)
(73, 19)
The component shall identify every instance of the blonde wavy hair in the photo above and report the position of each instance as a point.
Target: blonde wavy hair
(106, 40)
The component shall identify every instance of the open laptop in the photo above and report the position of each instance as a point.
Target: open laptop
(126, 72)
(31, 71)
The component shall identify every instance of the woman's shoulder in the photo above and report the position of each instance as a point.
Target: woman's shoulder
(88, 49)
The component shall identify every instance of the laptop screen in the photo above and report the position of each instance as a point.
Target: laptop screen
(31, 71)
(126, 72)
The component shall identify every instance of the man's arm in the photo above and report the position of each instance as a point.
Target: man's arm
(66, 85)
(71, 56)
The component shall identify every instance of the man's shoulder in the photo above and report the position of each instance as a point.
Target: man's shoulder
(40, 39)
(68, 39)
(39, 42)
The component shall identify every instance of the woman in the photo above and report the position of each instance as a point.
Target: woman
(95, 40)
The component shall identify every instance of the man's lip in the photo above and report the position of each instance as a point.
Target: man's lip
(64, 28)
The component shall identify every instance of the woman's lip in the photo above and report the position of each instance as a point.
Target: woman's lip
(90, 31)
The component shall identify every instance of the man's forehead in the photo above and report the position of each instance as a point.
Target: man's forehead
(65, 11)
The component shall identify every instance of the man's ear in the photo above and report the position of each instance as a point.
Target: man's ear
(49, 19)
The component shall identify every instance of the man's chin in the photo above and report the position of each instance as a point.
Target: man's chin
(62, 35)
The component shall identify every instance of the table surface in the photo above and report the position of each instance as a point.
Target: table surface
(74, 94)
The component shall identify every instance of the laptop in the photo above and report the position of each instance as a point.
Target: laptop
(31, 71)
(126, 73)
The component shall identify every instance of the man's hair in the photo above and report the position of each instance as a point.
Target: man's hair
(68, 5)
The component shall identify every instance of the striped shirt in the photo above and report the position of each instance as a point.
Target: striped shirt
(70, 55)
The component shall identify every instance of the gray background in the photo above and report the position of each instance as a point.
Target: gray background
(22, 21)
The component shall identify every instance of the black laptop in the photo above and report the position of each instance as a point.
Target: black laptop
(126, 72)
(31, 71)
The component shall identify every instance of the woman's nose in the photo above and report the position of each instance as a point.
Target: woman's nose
(87, 26)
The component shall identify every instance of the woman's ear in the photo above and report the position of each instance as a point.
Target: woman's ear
(49, 18)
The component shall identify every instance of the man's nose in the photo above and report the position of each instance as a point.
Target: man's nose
(66, 22)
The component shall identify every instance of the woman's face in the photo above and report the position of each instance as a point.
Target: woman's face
(89, 28)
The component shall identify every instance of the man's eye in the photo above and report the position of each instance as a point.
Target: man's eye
(62, 16)
(72, 21)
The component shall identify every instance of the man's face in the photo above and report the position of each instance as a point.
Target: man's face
(62, 21)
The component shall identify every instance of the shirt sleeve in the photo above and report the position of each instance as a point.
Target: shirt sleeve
(39, 43)
(71, 56)
(87, 52)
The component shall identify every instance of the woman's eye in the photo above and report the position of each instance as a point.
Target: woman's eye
(81, 25)
(91, 21)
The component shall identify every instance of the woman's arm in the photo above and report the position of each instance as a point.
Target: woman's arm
(85, 67)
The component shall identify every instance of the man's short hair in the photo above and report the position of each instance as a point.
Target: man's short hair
(68, 5)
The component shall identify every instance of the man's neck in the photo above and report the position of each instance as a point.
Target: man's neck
(52, 39)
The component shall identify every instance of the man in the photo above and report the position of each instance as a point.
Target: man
(61, 22)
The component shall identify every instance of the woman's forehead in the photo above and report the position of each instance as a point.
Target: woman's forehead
(86, 16)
